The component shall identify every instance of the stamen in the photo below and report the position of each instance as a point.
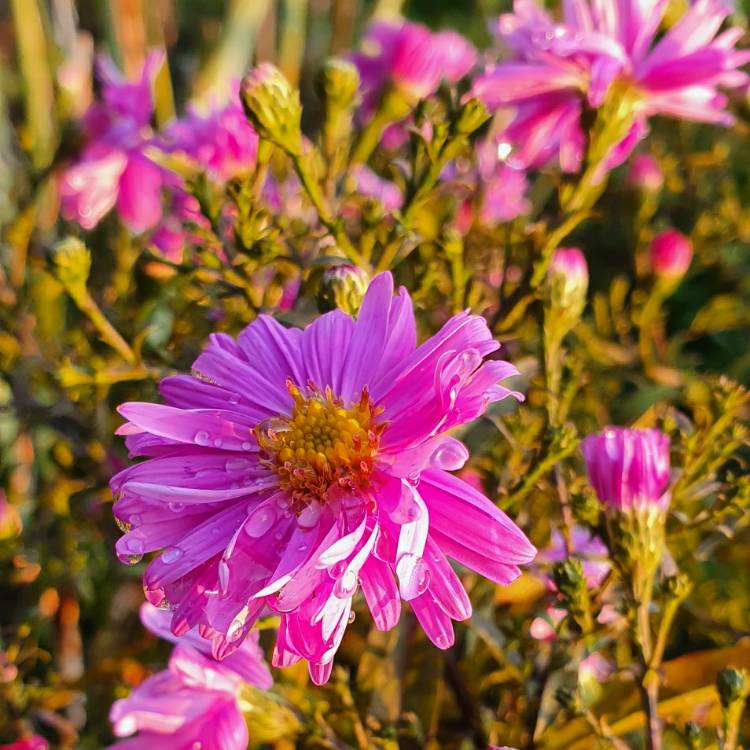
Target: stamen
(321, 444)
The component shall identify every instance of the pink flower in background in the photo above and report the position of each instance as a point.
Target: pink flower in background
(629, 468)
(372, 185)
(410, 57)
(645, 174)
(246, 662)
(589, 549)
(296, 465)
(556, 67)
(671, 253)
(35, 742)
(113, 169)
(220, 141)
(193, 703)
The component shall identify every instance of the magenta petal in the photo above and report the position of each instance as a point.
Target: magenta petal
(381, 593)
(139, 198)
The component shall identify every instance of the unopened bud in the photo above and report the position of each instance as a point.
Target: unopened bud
(342, 287)
(72, 264)
(732, 685)
(472, 116)
(645, 174)
(568, 282)
(272, 105)
(679, 586)
(570, 581)
(337, 83)
(671, 253)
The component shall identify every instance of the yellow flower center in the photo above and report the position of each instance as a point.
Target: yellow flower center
(322, 443)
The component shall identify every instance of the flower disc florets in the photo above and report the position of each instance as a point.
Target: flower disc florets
(321, 444)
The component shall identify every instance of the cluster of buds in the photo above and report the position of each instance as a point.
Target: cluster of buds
(630, 471)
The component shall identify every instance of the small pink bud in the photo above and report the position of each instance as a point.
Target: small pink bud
(645, 174)
(629, 468)
(568, 281)
(671, 253)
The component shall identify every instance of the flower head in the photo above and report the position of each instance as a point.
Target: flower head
(113, 169)
(569, 278)
(295, 466)
(195, 700)
(411, 58)
(671, 253)
(221, 141)
(557, 67)
(629, 468)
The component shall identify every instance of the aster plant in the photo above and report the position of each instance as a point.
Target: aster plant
(252, 310)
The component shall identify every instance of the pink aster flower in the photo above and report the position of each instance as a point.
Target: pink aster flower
(586, 547)
(367, 182)
(222, 141)
(295, 467)
(629, 468)
(410, 57)
(193, 701)
(113, 169)
(557, 66)
(35, 742)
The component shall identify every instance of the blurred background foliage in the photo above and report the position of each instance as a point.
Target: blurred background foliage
(70, 640)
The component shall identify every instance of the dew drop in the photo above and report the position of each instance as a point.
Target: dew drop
(441, 641)
(176, 507)
(202, 438)
(237, 464)
(346, 585)
(171, 554)
(352, 616)
(223, 576)
(246, 445)
(260, 521)
(135, 519)
(310, 515)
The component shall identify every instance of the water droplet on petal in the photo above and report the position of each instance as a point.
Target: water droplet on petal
(310, 515)
(223, 576)
(247, 445)
(260, 521)
(135, 519)
(176, 507)
(346, 585)
(352, 616)
(171, 554)
(202, 438)
(237, 464)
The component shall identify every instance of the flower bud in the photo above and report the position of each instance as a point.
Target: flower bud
(732, 685)
(567, 284)
(72, 264)
(572, 585)
(472, 116)
(273, 107)
(629, 470)
(671, 253)
(645, 174)
(342, 287)
(337, 83)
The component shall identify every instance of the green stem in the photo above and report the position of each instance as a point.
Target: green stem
(310, 184)
(86, 304)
